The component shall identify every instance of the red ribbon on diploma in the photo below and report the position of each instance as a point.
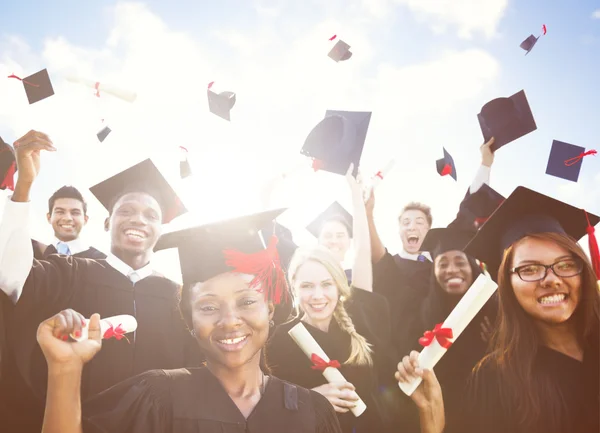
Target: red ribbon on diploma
(97, 88)
(20, 79)
(440, 334)
(320, 364)
(118, 333)
(379, 175)
(572, 161)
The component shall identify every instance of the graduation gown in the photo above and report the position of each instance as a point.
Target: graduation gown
(90, 286)
(375, 385)
(576, 382)
(90, 253)
(194, 401)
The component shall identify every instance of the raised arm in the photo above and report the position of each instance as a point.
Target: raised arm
(362, 268)
(483, 173)
(16, 251)
(377, 247)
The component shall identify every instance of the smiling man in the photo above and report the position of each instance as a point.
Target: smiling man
(139, 201)
(67, 214)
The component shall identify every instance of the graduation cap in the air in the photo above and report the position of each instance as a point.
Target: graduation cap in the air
(565, 160)
(103, 133)
(142, 177)
(37, 86)
(527, 212)
(8, 166)
(445, 166)
(234, 245)
(334, 212)
(441, 240)
(476, 208)
(529, 43)
(221, 103)
(506, 119)
(185, 170)
(338, 140)
(340, 51)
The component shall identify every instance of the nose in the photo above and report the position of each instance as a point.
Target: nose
(452, 269)
(551, 278)
(317, 292)
(229, 318)
(137, 218)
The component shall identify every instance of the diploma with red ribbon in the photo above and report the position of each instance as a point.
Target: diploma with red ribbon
(100, 88)
(437, 341)
(381, 174)
(321, 361)
(112, 327)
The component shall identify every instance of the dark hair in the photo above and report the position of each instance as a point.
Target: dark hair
(414, 205)
(337, 218)
(66, 191)
(530, 391)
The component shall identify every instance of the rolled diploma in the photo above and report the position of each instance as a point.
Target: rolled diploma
(309, 346)
(127, 322)
(460, 317)
(386, 170)
(126, 95)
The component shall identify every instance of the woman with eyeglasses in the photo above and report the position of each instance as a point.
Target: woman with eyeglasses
(543, 372)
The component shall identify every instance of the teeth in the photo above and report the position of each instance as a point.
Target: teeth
(232, 340)
(318, 306)
(552, 299)
(135, 233)
(67, 226)
(455, 280)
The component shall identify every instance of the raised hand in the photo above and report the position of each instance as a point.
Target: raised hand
(487, 154)
(53, 337)
(27, 151)
(355, 184)
(341, 395)
(429, 393)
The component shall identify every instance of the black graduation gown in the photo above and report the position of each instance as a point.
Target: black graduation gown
(194, 401)
(90, 253)
(90, 286)
(577, 382)
(375, 385)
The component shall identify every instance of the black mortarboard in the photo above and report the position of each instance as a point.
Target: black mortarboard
(477, 207)
(565, 160)
(506, 119)
(340, 51)
(529, 43)
(142, 177)
(445, 166)
(234, 245)
(338, 140)
(103, 133)
(8, 166)
(525, 212)
(440, 240)
(286, 245)
(37, 86)
(335, 212)
(221, 103)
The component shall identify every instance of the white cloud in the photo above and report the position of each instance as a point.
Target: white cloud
(283, 86)
(468, 16)
(596, 14)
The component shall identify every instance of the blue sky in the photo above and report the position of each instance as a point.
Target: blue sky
(424, 69)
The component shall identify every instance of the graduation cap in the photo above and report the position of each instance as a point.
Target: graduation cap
(527, 212)
(8, 166)
(529, 43)
(103, 133)
(340, 51)
(338, 140)
(506, 119)
(37, 86)
(234, 245)
(221, 103)
(445, 166)
(441, 240)
(476, 208)
(185, 170)
(142, 177)
(335, 212)
(565, 160)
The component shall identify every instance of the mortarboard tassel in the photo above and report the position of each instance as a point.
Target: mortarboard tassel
(264, 265)
(20, 79)
(9, 179)
(572, 161)
(317, 164)
(593, 245)
(447, 170)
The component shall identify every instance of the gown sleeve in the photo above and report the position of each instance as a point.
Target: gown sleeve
(141, 404)
(326, 418)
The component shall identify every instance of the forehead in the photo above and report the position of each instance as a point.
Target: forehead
(139, 199)
(223, 285)
(68, 203)
(538, 249)
(334, 226)
(451, 255)
(413, 214)
(312, 270)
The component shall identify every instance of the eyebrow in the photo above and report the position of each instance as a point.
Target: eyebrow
(212, 294)
(537, 262)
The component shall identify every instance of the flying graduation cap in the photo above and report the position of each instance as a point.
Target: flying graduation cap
(445, 166)
(185, 170)
(340, 51)
(103, 133)
(338, 140)
(531, 40)
(37, 86)
(8, 166)
(566, 159)
(334, 212)
(220, 103)
(506, 119)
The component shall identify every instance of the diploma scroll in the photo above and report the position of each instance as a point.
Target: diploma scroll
(307, 343)
(460, 317)
(380, 175)
(111, 327)
(117, 92)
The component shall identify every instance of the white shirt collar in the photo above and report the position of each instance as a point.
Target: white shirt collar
(410, 256)
(76, 246)
(127, 270)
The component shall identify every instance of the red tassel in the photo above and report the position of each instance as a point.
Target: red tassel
(572, 161)
(9, 179)
(447, 170)
(264, 265)
(26, 82)
(332, 38)
(593, 244)
(317, 164)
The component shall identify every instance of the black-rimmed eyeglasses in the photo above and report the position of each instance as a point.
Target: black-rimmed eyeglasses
(537, 272)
